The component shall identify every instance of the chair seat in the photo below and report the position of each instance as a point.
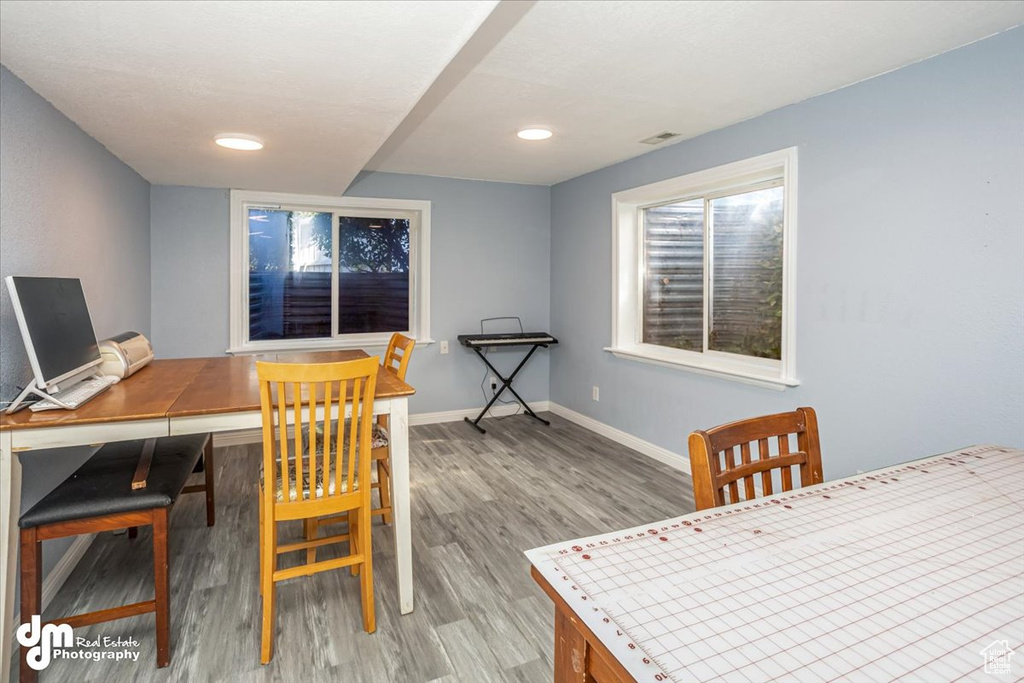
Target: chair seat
(103, 485)
(380, 436)
(293, 494)
(378, 440)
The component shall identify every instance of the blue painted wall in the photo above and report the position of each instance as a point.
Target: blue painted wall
(490, 246)
(910, 310)
(189, 237)
(68, 208)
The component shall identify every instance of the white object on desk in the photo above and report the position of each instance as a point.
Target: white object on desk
(910, 570)
(125, 354)
(72, 397)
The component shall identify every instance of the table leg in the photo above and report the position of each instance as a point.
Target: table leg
(570, 650)
(10, 506)
(399, 432)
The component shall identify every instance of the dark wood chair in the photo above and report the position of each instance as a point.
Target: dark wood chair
(715, 468)
(100, 496)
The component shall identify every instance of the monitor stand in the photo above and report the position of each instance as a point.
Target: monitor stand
(16, 404)
(33, 388)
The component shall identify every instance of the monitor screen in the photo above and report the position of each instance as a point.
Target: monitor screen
(55, 325)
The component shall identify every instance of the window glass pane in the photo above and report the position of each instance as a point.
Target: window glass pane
(673, 313)
(746, 301)
(289, 274)
(373, 275)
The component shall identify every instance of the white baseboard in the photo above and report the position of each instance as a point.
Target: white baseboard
(456, 415)
(674, 460)
(249, 436)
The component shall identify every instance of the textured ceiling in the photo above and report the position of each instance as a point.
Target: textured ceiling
(440, 88)
(323, 83)
(605, 75)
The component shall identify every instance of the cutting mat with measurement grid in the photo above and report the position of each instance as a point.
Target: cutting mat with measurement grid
(914, 572)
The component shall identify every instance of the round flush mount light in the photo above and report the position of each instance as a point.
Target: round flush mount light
(245, 143)
(534, 133)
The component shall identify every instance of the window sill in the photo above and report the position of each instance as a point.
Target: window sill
(298, 346)
(710, 368)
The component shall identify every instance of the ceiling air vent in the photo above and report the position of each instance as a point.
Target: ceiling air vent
(659, 138)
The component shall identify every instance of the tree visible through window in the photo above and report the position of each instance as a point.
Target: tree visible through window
(292, 271)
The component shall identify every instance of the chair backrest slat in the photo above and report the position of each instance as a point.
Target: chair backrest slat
(713, 477)
(297, 432)
(280, 466)
(766, 476)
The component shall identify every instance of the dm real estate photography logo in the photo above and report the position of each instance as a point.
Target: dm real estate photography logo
(46, 642)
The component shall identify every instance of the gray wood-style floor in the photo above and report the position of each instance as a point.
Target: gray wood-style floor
(478, 501)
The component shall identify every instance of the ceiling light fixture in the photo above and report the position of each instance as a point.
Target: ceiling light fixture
(245, 143)
(535, 133)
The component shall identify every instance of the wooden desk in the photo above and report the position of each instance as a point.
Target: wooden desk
(911, 572)
(185, 396)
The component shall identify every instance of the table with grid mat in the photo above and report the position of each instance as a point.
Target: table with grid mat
(914, 572)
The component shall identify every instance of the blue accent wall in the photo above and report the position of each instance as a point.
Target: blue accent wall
(910, 275)
(68, 208)
(489, 253)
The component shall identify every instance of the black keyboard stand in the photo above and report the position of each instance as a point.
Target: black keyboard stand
(506, 383)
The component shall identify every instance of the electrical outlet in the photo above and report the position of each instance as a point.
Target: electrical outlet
(596, 394)
(444, 346)
(494, 383)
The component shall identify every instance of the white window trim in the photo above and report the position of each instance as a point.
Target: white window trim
(419, 252)
(627, 280)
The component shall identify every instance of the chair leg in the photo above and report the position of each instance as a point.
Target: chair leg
(208, 473)
(366, 572)
(259, 496)
(31, 590)
(268, 562)
(353, 537)
(384, 480)
(161, 570)
(310, 529)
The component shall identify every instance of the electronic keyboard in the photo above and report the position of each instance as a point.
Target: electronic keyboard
(507, 339)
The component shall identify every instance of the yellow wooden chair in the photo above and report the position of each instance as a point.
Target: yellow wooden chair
(305, 484)
(396, 361)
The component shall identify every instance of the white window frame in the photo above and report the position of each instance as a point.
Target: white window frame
(418, 213)
(628, 280)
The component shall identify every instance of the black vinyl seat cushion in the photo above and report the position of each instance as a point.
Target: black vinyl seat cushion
(103, 485)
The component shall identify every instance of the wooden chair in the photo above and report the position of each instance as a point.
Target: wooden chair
(396, 361)
(300, 485)
(713, 456)
(101, 495)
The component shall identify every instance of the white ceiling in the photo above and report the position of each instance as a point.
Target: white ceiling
(323, 83)
(440, 88)
(604, 75)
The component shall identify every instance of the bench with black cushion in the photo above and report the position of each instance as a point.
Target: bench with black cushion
(99, 497)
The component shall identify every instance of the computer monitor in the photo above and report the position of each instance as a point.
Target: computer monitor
(56, 327)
